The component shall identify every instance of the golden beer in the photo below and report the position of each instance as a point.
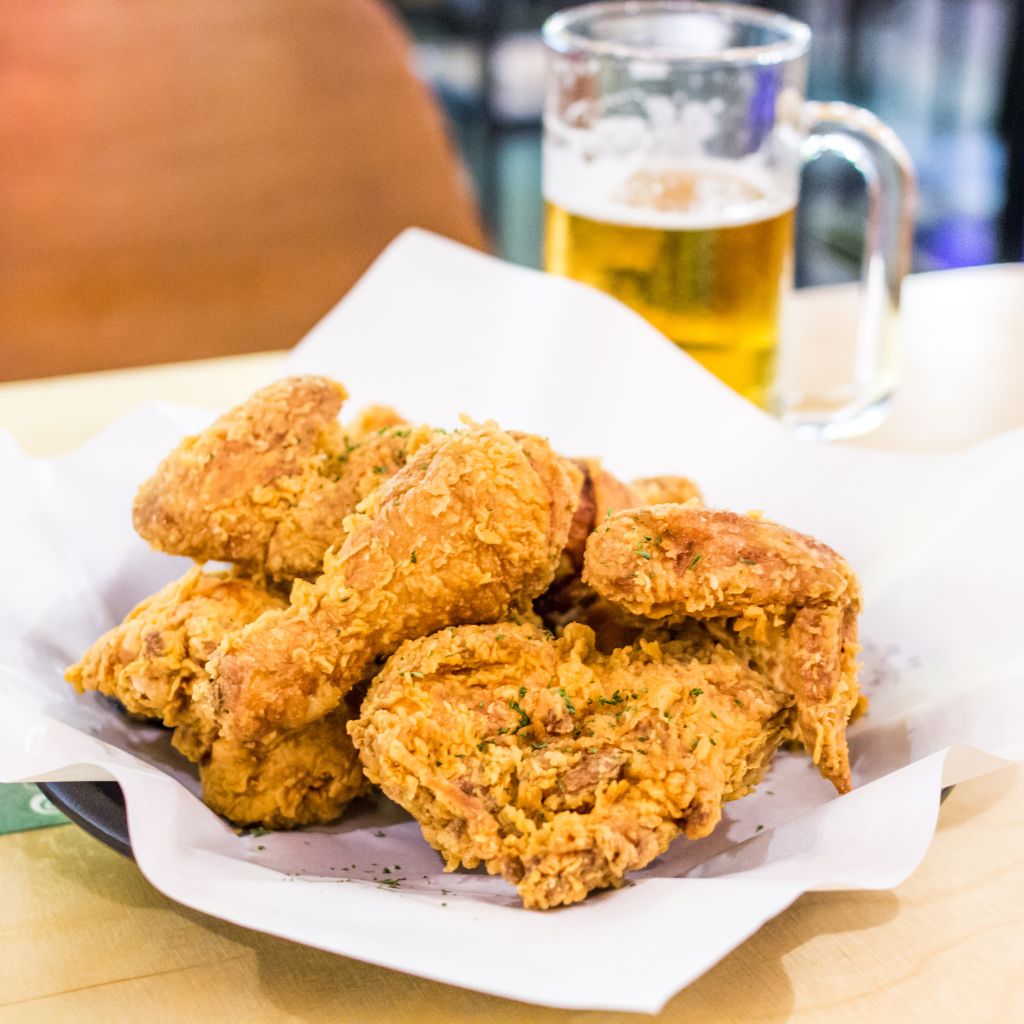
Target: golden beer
(702, 253)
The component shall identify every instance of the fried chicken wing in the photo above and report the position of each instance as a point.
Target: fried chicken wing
(556, 766)
(789, 602)
(268, 485)
(468, 531)
(151, 663)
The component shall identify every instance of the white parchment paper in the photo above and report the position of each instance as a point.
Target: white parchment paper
(435, 330)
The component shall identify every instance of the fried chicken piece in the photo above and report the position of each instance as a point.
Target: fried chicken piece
(661, 490)
(789, 602)
(569, 599)
(601, 493)
(556, 766)
(307, 777)
(374, 419)
(151, 662)
(469, 531)
(269, 484)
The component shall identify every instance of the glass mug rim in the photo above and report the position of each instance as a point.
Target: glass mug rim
(560, 33)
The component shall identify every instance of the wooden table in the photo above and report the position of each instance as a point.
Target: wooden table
(85, 938)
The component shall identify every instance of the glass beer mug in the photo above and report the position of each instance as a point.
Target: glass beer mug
(674, 138)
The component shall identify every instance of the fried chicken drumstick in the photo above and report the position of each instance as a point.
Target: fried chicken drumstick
(556, 766)
(268, 485)
(151, 663)
(469, 531)
(783, 600)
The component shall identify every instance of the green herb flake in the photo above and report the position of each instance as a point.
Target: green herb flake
(412, 556)
(693, 745)
(748, 561)
(693, 561)
(696, 691)
(524, 718)
(759, 827)
(416, 675)
(380, 469)
(569, 706)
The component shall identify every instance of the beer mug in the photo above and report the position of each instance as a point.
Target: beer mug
(674, 138)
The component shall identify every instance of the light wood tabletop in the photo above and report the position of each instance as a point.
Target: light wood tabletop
(86, 938)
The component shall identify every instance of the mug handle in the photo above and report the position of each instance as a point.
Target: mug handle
(818, 396)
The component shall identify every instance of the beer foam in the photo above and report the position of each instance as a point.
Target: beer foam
(673, 195)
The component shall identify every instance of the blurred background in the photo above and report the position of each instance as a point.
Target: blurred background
(185, 179)
(947, 75)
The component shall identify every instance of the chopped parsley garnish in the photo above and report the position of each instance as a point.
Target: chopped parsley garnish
(524, 718)
(696, 691)
(759, 827)
(693, 745)
(412, 556)
(748, 561)
(616, 698)
(569, 706)
(693, 561)
(379, 469)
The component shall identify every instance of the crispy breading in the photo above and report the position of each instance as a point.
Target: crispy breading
(469, 531)
(661, 490)
(268, 485)
(151, 662)
(789, 601)
(556, 766)
(307, 777)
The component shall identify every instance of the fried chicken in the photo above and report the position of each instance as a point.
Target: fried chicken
(307, 777)
(783, 600)
(569, 599)
(268, 485)
(556, 766)
(151, 662)
(660, 490)
(469, 531)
